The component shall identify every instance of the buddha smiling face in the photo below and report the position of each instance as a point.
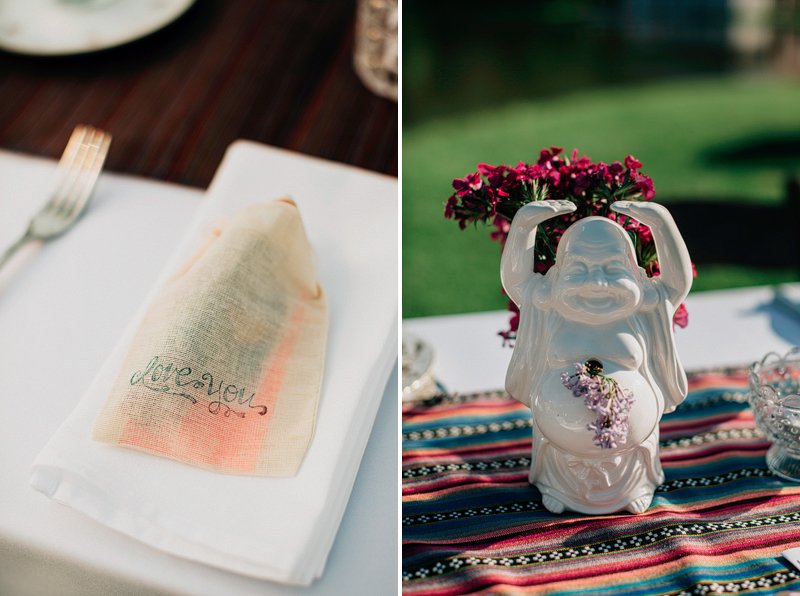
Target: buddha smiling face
(596, 279)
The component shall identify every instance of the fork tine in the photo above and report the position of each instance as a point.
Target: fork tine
(65, 165)
(72, 166)
(90, 172)
(76, 138)
(73, 193)
(68, 194)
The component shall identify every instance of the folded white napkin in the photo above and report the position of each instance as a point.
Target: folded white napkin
(273, 528)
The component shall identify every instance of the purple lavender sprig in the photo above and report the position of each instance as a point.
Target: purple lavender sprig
(603, 396)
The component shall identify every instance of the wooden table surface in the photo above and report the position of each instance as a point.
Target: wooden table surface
(277, 72)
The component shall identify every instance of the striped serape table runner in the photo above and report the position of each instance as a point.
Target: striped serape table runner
(473, 524)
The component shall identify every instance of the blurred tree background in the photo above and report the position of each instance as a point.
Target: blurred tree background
(706, 93)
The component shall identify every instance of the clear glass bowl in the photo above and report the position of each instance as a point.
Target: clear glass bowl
(418, 380)
(775, 399)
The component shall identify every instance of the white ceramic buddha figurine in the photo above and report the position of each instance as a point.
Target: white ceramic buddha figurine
(595, 303)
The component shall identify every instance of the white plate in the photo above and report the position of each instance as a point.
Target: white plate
(60, 27)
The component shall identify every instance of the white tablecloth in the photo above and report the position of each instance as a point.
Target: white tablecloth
(726, 327)
(62, 308)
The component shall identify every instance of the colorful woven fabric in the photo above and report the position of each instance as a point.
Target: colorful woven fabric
(473, 524)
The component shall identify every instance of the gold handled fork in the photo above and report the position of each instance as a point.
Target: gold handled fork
(77, 174)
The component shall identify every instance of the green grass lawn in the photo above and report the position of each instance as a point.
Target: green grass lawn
(678, 131)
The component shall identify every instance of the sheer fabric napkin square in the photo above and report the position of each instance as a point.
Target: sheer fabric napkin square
(225, 369)
(277, 528)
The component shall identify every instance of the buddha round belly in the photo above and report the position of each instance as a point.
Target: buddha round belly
(562, 418)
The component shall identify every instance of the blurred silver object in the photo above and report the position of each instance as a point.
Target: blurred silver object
(78, 170)
(775, 399)
(375, 53)
(418, 379)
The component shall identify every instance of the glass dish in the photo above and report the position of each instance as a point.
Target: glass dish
(418, 380)
(775, 399)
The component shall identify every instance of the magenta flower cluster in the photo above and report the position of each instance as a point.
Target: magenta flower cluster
(493, 194)
(603, 396)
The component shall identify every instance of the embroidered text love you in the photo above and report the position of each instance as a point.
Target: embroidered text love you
(169, 379)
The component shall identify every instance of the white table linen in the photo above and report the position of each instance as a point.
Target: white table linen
(726, 328)
(62, 309)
